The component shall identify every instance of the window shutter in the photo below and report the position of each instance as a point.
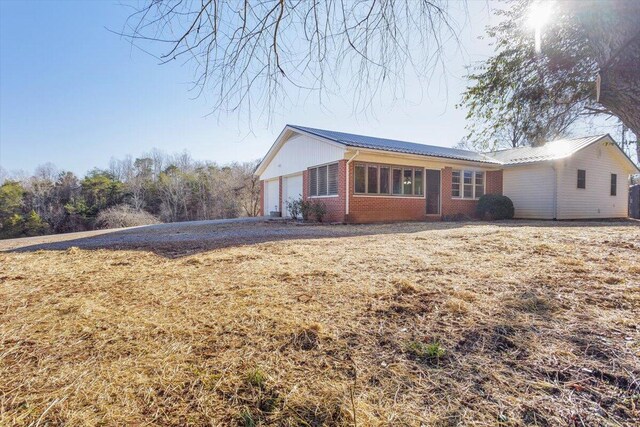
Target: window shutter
(322, 181)
(313, 182)
(333, 179)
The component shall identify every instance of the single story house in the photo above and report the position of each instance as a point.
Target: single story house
(366, 179)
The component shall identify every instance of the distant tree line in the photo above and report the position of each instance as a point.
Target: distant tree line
(155, 187)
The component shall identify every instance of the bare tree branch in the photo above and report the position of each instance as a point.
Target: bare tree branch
(255, 54)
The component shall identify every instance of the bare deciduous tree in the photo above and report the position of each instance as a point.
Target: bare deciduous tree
(249, 54)
(587, 66)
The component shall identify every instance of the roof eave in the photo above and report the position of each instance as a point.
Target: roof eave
(421, 156)
(633, 167)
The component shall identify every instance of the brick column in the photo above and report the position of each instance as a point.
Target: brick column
(261, 210)
(494, 182)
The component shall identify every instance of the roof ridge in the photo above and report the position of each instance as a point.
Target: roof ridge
(598, 136)
(311, 130)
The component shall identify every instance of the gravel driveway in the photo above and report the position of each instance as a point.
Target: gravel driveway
(175, 239)
(181, 238)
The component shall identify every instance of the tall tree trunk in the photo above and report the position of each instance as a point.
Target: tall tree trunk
(612, 31)
(620, 85)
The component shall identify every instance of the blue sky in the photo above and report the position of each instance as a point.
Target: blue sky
(74, 94)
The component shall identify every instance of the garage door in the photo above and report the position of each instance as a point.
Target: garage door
(272, 196)
(291, 190)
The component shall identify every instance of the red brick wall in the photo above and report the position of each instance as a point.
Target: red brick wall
(261, 211)
(494, 182)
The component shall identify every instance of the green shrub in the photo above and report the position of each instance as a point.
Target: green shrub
(306, 209)
(319, 211)
(27, 225)
(494, 207)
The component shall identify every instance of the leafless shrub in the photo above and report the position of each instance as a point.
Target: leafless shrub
(124, 216)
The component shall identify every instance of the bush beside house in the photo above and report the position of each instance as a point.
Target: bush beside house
(494, 207)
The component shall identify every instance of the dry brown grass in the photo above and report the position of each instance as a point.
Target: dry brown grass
(539, 326)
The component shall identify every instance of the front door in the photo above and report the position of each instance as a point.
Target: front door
(433, 192)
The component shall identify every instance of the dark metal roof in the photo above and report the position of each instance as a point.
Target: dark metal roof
(370, 142)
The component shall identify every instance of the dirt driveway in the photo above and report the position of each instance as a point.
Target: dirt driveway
(183, 238)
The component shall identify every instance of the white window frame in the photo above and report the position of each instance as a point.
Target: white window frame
(317, 196)
(473, 184)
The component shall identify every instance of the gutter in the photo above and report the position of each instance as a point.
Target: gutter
(346, 209)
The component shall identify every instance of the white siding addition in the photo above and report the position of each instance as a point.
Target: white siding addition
(599, 160)
(531, 188)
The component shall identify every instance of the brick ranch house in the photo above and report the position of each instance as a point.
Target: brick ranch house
(364, 179)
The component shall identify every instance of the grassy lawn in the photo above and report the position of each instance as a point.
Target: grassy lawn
(474, 324)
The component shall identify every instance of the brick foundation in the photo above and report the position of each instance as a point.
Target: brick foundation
(261, 209)
(494, 182)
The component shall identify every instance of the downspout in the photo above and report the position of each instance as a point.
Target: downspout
(346, 210)
(555, 192)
